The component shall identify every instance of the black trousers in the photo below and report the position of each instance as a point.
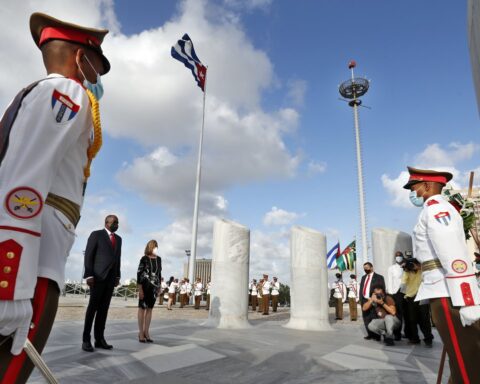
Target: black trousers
(398, 298)
(100, 296)
(17, 369)
(367, 317)
(419, 315)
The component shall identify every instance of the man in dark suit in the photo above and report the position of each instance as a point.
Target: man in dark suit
(102, 272)
(369, 280)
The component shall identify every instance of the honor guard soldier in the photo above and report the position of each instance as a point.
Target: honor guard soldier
(266, 294)
(208, 288)
(253, 294)
(259, 295)
(448, 278)
(275, 293)
(353, 296)
(49, 135)
(340, 295)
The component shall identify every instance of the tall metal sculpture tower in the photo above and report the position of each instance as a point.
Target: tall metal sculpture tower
(353, 89)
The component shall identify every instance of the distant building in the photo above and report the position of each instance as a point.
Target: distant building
(203, 270)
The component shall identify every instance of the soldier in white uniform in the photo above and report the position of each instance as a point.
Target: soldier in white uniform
(448, 278)
(253, 294)
(189, 289)
(209, 287)
(183, 293)
(340, 295)
(198, 292)
(353, 296)
(266, 294)
(46, 148)
(275, 293)
(163, 292)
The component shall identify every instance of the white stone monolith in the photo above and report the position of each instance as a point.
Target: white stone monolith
(309, 281)
(385, 242)
(230, 265)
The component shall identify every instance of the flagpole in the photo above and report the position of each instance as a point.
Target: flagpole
(193, 249)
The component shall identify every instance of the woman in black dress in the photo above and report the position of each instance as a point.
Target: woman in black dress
(148, 283)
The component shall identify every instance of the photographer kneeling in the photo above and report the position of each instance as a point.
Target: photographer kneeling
(384, 321)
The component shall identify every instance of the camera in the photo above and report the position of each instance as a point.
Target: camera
(379, 296)
(410, 264)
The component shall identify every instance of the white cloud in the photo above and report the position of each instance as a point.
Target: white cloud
(433, 157)
(296, 91)
(279, 216)
(270, 253)
(436, 156)
(152, 99)
(315, 167)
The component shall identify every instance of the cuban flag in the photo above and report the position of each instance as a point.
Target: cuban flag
(63, 108)
(332, 256)
(183, 51)
(443, 218)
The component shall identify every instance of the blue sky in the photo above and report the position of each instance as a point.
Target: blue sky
(279, 145)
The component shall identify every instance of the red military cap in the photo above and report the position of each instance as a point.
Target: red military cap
(421, 175)
(45, 28)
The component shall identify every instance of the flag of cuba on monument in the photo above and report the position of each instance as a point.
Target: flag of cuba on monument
(183, 51)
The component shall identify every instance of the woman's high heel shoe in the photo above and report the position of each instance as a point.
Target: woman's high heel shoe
(141, 340)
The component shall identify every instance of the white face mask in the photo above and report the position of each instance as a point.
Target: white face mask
(399, 259)
(155, 251)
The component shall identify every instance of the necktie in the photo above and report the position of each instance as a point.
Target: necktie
(366, 284)
(112, 239)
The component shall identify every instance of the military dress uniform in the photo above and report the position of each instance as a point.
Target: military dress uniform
(44, 138)
(253, 295)
(275, 293)
(353, 297)
(340, 295)
(448, 279)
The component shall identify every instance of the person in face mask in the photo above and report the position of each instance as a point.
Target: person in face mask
(102, 272)
(394, 281)
(448, 278)
(46, 133)
(149, 274)
(368, 281)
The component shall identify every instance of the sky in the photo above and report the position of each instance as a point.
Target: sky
(279, 146)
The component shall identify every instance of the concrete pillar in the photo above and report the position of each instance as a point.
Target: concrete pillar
(230, 264)
(385, 242)
(309, 281)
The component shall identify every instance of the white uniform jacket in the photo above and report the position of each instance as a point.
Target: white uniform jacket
(439, 235)
(275, 288)
(47, 152)
(340, 290)
(198, 289)
(353, 289)
(253, 288)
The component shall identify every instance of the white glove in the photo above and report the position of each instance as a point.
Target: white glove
(15, 316)
(469, 315)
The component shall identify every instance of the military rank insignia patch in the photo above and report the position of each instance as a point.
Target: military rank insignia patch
(459, 266)
(443, 218)
(64, 109)
(23, 203)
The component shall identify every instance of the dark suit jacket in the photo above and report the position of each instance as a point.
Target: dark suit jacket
(376, 279)
(101, 257)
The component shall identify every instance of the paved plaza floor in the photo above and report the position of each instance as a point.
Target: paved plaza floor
(186, 351)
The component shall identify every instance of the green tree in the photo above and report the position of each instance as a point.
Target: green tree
(284, 294)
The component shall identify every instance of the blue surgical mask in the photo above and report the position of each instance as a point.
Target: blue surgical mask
(97, 88)
(415, 200)
(477, 266)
